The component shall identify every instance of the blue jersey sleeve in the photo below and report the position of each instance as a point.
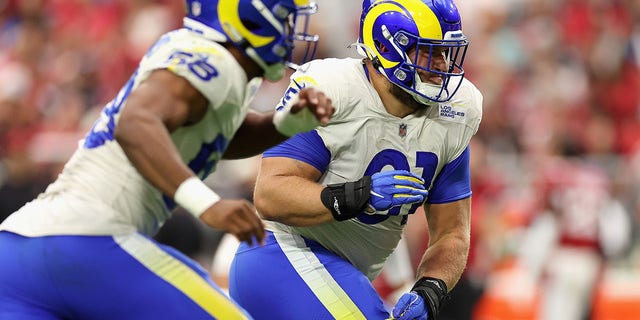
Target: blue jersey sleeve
(454, 181)
(307, 147)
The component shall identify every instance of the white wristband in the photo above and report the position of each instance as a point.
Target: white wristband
(195, 196)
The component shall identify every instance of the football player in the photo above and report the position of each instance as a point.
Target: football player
(337, 198)
(82, 249)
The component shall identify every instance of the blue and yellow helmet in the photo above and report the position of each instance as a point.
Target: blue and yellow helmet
(265, 30)
(389, 29)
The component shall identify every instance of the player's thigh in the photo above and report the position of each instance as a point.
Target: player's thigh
(25, 290)
(289, 278)
(102, 277)
(132, 277)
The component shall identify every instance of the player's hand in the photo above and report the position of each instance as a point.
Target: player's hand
(394, 188)
(305, 111)
(410, 306)
(316, 102)
(237, 217)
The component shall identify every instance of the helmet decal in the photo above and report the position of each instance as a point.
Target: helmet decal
(368, 23)
(228, 11)
(264, 30)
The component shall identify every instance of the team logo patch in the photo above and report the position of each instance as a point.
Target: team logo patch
(451, 113)
(402, 131)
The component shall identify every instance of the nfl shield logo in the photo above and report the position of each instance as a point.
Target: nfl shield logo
(402, 131)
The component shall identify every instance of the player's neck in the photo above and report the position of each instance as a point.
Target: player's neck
(391, 103)
(251, 68)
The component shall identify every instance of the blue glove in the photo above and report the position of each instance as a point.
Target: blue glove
(410, 306)
(394, 188)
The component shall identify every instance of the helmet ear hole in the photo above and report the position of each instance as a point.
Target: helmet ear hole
(250, 25)
(381, 47)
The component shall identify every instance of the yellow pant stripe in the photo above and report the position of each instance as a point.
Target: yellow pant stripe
(180, 276)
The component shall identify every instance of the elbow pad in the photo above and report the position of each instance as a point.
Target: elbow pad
(347, 200)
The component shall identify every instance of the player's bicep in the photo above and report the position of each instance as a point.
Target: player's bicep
(281, 167)
(284, 180)
(292, 167)
(307, 147)
(168, 97)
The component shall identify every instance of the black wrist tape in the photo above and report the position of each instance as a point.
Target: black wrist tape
(346, 200)
(434, 292)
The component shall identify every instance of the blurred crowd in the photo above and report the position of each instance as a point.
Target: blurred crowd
(555, 164)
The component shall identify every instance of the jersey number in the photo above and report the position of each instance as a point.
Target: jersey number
(197, 63)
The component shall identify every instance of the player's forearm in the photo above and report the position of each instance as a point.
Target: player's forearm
(446, 258)
(256, 134)
(291, 200)
(148, 146)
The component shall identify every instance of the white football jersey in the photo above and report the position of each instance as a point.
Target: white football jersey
(99, 191)
(362, 139)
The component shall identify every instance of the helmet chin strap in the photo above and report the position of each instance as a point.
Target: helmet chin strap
(429, 90)
(425, 90)
(366, 52)
(426, 93)
(363, 50)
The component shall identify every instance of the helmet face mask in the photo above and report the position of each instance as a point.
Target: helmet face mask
(444, 61)
(265, 30)
(398, 35)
